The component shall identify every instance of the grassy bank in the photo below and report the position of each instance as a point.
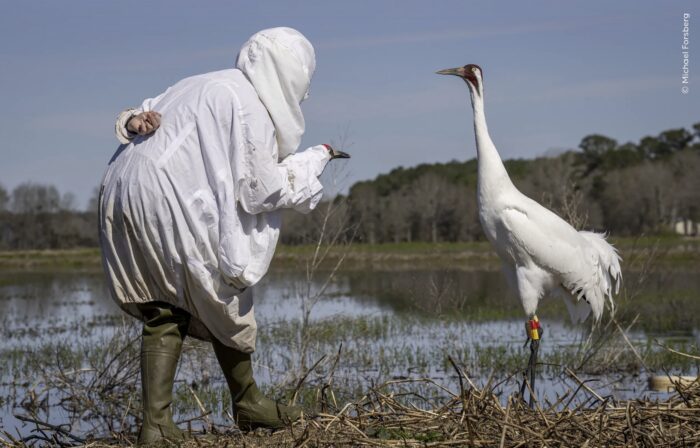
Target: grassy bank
(667, 251)
(70, 259)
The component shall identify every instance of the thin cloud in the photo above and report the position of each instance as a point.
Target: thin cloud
(462, 34)
(603, 88)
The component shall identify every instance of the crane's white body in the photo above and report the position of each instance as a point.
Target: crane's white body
(542, 254)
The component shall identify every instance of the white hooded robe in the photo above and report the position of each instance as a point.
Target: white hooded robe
(190, 215)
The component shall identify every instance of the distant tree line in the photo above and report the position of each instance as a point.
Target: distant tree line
(35, 216)
(626, 189)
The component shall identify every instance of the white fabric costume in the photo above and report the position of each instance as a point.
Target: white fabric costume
(190, 215)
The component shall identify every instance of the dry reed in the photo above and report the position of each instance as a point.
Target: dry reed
(389, 415)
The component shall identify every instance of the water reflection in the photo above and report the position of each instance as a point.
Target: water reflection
(33, 305)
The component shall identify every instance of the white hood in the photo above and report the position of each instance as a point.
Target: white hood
(280, 62)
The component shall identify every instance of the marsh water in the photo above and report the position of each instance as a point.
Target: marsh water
(382, 325)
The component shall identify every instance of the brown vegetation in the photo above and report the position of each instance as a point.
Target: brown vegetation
(391, 415)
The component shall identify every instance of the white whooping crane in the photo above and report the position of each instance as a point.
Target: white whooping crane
(542, 254)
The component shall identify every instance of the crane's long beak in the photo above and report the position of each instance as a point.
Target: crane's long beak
(449, 71)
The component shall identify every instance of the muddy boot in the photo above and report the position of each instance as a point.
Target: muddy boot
(163, 331)
(251, 409)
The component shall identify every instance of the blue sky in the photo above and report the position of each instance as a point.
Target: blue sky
(554, 72)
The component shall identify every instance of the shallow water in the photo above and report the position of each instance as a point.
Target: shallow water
(392, 325)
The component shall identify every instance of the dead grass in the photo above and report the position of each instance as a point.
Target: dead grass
(392, 416)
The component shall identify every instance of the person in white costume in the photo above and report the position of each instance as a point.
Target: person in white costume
(190, 215)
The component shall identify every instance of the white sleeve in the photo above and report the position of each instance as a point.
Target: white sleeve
(303, 170)
(293, 183)
(123, 135)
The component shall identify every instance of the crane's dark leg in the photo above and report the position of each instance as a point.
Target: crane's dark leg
(532, 367)
(534, 333)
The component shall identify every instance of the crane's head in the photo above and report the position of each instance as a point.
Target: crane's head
(470, 73)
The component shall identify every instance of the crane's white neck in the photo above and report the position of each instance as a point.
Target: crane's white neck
(492, 174)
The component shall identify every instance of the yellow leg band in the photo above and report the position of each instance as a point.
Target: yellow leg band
(533, 326)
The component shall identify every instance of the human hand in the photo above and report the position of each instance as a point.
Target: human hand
(144, 123)
(335, 154)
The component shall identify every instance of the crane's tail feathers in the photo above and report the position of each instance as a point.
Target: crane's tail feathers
(608, 275)
(578, 309)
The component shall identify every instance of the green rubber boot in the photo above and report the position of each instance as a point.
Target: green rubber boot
(164, 329)
(251, 409)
